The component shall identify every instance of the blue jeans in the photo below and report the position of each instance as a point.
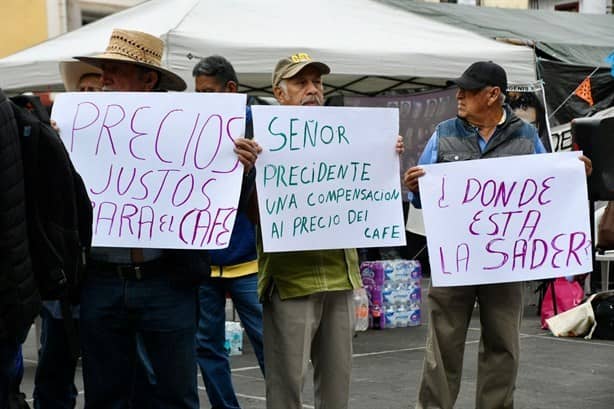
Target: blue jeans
(114, 313)
(211, 356)
(9, 368)
(54, 386)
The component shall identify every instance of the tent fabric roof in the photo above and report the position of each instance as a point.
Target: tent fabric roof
(370, 46)
(584, 39)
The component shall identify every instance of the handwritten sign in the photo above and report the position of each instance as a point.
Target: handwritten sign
(507, 219)
(159, 167)
(328, 177)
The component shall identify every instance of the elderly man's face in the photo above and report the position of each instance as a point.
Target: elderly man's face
(473, 103)
(305, 88)
(127, 77)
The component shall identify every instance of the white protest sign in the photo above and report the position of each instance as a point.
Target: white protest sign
(159, 167)
(507, 219)
(328, 177)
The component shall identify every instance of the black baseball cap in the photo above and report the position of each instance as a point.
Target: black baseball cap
(482, 74)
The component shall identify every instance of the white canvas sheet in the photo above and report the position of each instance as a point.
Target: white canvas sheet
(356, 38)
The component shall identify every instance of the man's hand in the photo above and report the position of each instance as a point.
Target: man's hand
(400, 146)
(588, 164)
(54, 125)
(410, 178)
(247, 150)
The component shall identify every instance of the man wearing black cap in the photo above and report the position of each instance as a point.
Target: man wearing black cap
(485, 128)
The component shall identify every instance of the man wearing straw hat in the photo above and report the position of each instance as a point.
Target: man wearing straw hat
(148, 295)
(81, 77)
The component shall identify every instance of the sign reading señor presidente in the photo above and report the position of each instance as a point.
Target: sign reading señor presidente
(328, 177)
(159, 167)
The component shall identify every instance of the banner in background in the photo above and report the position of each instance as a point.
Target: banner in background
(528, 101)
(419, 114)
(561, 134)
(562, 81)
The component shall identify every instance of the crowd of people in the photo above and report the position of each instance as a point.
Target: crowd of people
(148, 318)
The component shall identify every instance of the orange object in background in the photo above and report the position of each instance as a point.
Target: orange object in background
(584, 91)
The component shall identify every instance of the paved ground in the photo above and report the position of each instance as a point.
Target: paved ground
(555, 373)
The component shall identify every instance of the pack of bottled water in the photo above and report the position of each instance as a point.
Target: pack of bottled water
(233, 343)
(394, 291)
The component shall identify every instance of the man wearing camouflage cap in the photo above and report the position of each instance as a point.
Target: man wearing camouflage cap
(307, 295)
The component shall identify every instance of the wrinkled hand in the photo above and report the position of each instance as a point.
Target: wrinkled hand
(411, 176)
(247, 151)
(400, 146)
(588, 164)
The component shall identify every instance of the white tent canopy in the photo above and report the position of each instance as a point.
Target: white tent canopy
(369, 46)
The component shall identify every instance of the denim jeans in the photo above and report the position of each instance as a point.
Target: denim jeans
(114, 313)
(9, 368)
(54, 386)
(211, 356)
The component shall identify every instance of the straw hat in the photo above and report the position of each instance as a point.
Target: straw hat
(73, 71)
(141, 49)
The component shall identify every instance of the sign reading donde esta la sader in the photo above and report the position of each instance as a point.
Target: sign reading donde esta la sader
(507, 219)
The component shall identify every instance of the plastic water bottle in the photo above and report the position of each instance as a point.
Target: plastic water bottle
(361, 308)
(391, 316)
(388, 293)
(236, 342)
(402, 316)
(414, 317)
(234, 338)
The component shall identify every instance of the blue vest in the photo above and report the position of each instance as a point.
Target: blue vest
(458, 140)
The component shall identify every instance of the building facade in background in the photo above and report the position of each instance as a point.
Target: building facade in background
(17, 14)
(29, 22)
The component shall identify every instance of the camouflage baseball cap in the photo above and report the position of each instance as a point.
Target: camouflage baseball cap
(290, 66)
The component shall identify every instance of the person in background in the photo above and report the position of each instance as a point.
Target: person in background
(78, 76)
(233, 270)
(54, 386)
(19, 298)
(485, 127)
